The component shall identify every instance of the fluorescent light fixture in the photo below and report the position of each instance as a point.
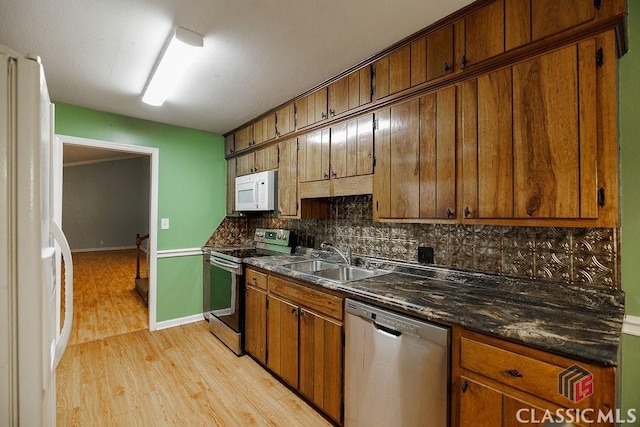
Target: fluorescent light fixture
(181, 51)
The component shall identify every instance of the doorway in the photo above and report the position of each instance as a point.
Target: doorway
(97, 151)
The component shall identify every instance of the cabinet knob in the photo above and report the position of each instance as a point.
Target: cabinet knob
(446, 67)
(467, 212)
(514, 373)
(326, 175)
(465, 386)
(232, 150)
(449, 213)
(463, 61)
(334, 174)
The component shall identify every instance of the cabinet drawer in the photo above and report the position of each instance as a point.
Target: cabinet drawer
(318, 301)
(521, 372)
(254, 278)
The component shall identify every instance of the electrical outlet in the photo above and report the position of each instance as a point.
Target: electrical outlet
(164, 223)
(425, 255)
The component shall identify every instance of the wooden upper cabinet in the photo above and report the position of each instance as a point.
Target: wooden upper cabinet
(440, 53)
(359, 87)
(482, 33)
(320, 105)
(231, 187)
(555, 134)
(245, 164)
(244, 138)
(266, 159)
(338, 96)
(380, 78)
(264, 129)
(301, 112)
(529, 138)
(352, 147)
(288, 178)
(400, 70)
(229, 144)
(517, 23)
(549, 17)
(313, 156)
(418, 61)
(284, 120)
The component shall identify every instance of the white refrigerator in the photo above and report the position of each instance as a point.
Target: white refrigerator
(32, 245)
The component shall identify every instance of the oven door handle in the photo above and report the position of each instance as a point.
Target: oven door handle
(233, 267)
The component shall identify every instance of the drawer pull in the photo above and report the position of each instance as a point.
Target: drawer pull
(514, 373)
(465, 386)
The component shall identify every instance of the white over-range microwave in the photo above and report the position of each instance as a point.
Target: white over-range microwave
(256, 192)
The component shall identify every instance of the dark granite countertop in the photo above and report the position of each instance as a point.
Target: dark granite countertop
(579, 322)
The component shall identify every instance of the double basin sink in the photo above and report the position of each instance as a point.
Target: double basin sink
(340, 273)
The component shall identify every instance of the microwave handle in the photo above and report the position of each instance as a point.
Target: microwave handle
(255, 194)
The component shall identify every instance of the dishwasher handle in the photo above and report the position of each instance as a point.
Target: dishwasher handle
(386, 330)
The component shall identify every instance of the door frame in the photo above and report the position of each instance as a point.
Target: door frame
(154, 153)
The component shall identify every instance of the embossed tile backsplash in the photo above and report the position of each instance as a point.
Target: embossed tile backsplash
(564, 255)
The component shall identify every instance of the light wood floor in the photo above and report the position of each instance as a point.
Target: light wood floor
(180, 376)
(104, 300)
(117, 373)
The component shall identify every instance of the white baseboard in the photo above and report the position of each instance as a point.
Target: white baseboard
(103, 249)
(631, 325)
(180, 321)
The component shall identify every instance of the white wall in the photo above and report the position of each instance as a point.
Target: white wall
(105, 204)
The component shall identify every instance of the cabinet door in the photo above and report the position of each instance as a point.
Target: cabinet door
(479, 405)
(255, 319)
(438, 154)
(284, 120)
(339, 150)
(400, 70)
(550, 16)
(313, 157)
(338, 94)
(260, 130)
(487, 145)
(484, 34)
(514, 410)
(266, 159)
(358, 152)
(321, 362)
(365, 85)
(231, 187)
(553, 143)
(288, 178)
(380, 78)
(283, 340)
(440, 53)
(419, 61)
(405, 159)
(229, 144)
(245, 164)
(382, 169)
(301, 108)
(270, 130)
(320, 105)
(244, 138)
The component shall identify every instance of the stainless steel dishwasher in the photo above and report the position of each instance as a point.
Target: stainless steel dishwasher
(396, 369)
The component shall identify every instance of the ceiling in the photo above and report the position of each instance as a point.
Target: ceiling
(257, 53)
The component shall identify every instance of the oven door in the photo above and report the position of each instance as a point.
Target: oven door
(225, 299)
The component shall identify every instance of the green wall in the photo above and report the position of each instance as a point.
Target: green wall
(191, 193)
(629, 93)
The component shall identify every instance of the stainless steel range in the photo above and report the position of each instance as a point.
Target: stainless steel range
(223, 283)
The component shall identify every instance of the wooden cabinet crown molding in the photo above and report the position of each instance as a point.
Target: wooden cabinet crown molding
(614, 13)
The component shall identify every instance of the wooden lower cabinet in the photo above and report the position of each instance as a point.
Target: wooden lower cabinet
(297, 332)
(255, 320)
(499, 383)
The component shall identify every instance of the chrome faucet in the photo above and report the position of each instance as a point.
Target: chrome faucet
(346, 257)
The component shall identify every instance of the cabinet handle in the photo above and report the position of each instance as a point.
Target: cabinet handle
(465, 386)
(323, 115)
(446, 67)
(449, 213)
(334, 174)
(514, 373)
(294, 311)
(232, 150)
(463, 61)
(326, 175)
(467, 212)
(254, 279)
(332, 112)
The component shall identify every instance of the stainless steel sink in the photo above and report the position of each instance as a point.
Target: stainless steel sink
(344, 274)
(310, 266)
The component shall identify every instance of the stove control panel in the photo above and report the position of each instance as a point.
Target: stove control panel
(275, 237)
